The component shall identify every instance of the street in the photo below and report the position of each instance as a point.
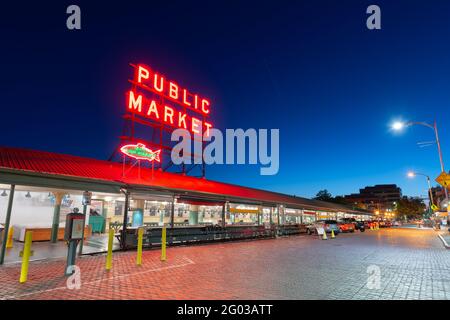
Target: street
(413, 264)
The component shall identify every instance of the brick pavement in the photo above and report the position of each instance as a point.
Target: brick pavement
(413, 265)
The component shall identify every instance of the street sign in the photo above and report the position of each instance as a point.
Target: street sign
(443, 179)
(87, 196)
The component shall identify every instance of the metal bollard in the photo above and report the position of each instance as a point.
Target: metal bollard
(9, 242)
(110, 245)
(163, 244)
(26, 253)
(139, 246)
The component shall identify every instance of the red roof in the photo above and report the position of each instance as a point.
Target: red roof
(24, 160)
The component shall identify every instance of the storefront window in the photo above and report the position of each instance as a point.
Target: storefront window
(309, 217)
(292, 215)
(157, 213)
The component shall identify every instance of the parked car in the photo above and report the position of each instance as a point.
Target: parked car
(327, 225)
(346, 225)
(396, 224)
(387, 224)
(358, 225)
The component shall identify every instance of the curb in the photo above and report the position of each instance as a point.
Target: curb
(446, 245)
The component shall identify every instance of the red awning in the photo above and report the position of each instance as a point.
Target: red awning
(61, 165)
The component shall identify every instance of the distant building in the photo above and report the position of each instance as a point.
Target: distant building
(379, 197)
(438, 195)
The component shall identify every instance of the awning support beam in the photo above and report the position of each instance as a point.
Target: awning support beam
(125, 221)
(7, 222)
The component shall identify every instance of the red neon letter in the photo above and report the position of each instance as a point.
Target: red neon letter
(134, 103)
(195, 101)
(205, 103)
(173, 90)
(161, 83)
(168, 113)
(142, 74)
(182, 119)
(153, 109)
(185, 98)
(196, 125)
(208, 126)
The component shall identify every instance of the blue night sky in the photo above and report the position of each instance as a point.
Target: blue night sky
(310, 68)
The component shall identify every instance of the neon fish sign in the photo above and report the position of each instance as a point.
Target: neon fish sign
(141, 152)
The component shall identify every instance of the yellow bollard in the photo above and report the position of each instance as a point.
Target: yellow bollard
(139, 247)
(110, 245)
(26, 256)
(163, 244)
(332, 234)
(9, 242)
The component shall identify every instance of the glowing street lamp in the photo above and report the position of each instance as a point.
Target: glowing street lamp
(412, 174)
(399, 125)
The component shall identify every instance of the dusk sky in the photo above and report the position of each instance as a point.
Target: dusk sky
(310, 68)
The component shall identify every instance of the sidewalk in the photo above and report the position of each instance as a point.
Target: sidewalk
(444, 235)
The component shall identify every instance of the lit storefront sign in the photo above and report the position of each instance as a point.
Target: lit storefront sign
(164, 101)
(140, 152)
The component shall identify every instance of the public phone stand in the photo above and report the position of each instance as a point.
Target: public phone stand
(73, 233)
(71, 256)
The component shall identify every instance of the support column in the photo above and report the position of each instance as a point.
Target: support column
(56, 211)
(260, 215)
(223, 214)
(172, 212)
(80, 252)
(7, 222)
(193, 215)
(270, 216)
(125, 220)
(278, 215)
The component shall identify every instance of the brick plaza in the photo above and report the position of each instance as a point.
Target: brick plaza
(413, 263)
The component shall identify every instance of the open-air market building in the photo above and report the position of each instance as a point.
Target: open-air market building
(38, 189)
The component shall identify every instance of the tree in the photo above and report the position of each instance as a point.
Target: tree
(340, 200)
(410, 208)
(323, 195)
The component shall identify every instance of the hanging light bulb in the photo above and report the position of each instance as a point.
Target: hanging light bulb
(4, 194)
(28, 195)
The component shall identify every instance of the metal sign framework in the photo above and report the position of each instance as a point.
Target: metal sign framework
(156, 134)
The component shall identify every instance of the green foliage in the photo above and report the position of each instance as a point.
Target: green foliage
(411, 208)
(323, 195)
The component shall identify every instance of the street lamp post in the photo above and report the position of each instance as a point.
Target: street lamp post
(401, 125)
(430, 194)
